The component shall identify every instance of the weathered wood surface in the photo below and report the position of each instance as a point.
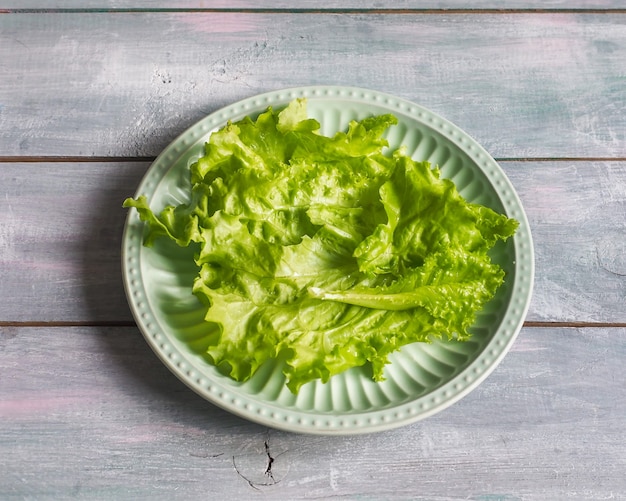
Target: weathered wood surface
(61, 226)
(312, 4)
(90, 413)
(524, 85)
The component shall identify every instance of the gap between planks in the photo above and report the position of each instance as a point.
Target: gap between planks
(72, 159)
(352, 10)
(101, 159)
(55, 323)
(130, 323)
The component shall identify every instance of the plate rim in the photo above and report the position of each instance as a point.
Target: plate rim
(275, 416)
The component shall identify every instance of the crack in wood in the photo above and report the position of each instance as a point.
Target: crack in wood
(270, 461)
(267, 472)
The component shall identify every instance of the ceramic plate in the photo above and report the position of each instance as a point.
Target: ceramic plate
(421, 379)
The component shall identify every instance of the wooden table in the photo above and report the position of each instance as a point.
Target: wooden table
(92, 90)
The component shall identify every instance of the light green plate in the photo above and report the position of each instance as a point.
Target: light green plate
(421, 379)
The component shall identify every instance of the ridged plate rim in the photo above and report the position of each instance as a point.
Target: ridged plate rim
(191, 372)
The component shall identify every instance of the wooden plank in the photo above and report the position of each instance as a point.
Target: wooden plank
(577, 212)
(311, 4)
(61, 226)
(91, 413)
(523, 85)
(60, 235)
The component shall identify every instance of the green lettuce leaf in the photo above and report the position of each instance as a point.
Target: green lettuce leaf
(327, 252)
